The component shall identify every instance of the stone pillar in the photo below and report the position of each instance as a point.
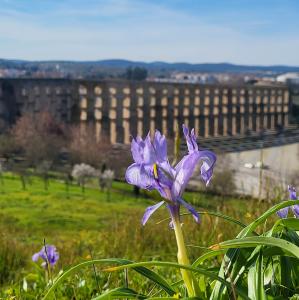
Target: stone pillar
(180, 116)
(119, 114)
(164, 108)
(146, 109)
(170, 111)
(230, 112)
(158, 108)
(254, 111)
(236, 103)
(197, 112)
(133, 109)
(139, 109)
(210, 95)
(105, 111)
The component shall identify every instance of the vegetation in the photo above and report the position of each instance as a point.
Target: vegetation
(88, 226)
(66, 237)
(40, 137)
(136, 73)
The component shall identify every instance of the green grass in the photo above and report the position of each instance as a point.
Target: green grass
(81, 225)
(46, 213)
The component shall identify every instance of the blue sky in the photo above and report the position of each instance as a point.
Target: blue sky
(262, 32)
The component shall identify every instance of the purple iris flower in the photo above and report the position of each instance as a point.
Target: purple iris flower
(283, 213)
(152, 170)
(48, 254)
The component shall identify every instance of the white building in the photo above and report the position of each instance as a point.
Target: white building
(193, 77)
(288, 78)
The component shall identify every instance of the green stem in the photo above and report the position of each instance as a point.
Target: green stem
(191, 284)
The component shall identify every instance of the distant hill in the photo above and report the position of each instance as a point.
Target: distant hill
(201, 67)
(118, 66)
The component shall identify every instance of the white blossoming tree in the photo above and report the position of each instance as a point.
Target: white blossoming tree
(82, 172)
(105, 181)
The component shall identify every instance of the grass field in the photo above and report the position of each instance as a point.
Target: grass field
(89, 224)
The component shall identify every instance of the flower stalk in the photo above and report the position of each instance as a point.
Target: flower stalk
(189, 280)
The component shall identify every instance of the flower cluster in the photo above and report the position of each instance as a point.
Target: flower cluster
(283, 213)
(152, 170)
(48, 254)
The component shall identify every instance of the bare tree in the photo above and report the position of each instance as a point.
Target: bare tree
(85, 147)
(40, 136)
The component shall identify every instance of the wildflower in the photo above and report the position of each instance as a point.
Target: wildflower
(152, 170)
(48, 254)
(283, 213)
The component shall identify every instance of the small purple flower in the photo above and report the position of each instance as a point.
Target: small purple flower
(48, 254)
(152, 170)
(283, 213)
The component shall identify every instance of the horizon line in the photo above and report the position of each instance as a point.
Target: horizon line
(146, 62)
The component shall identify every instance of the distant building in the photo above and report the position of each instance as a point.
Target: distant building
(193, 77)
(11, 73)
(292, 78)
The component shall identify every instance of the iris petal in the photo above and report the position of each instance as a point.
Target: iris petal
(35, 256)
(190, 139)
(137, 146)
(137, 174)
(149, 211)
(292, 192)
(192, 210)
(283, 213)
(208, 158)
(160, 146)
(184, 171)
(295, 209)
(149, 155)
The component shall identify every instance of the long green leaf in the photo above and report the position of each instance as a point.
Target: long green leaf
(168, 298)
(251, 227)
(119, 293)
(257, 241)
(256, 280)
(179, 266)
(210, 213)
(290, 223)
(232, 254)
(206, 256)
(153, 276)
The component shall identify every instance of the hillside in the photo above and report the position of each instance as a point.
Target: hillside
(118, 66)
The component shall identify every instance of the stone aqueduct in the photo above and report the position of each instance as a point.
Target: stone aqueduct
(119, 109)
